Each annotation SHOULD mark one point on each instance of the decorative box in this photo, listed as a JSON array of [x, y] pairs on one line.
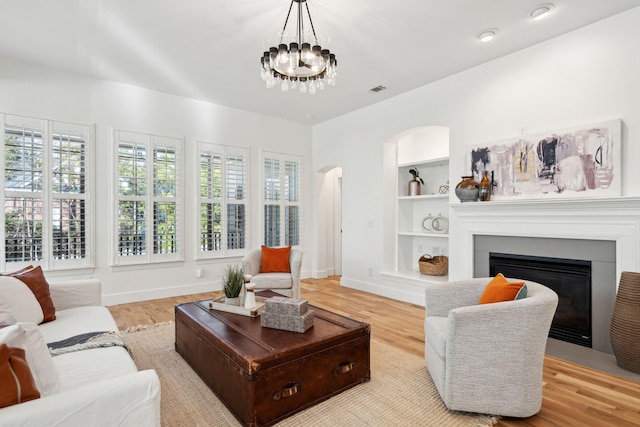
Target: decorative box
[[285, 322], [287, 306]]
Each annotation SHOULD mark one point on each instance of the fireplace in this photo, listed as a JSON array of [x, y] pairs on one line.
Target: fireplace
[[600, 254], [569, 278], [604, 231]]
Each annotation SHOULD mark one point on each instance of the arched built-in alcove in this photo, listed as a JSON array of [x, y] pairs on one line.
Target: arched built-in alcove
[[427, 149]]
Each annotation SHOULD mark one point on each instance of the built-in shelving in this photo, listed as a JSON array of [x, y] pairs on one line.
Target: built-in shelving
[[412, 240]]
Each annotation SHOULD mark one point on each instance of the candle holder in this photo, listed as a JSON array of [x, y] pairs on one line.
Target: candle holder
[[250, 295]]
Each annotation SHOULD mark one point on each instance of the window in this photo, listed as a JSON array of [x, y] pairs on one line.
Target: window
[[223, 200], [282, 201], [148, 194], [47, 181]]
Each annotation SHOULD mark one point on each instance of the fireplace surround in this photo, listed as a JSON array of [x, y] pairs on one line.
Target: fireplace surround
[[608, 229]]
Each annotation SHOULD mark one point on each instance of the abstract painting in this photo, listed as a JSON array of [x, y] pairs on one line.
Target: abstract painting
[[584, 161]]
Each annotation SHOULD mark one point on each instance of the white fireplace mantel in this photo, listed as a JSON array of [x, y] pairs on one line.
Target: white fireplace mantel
[[613, 219]]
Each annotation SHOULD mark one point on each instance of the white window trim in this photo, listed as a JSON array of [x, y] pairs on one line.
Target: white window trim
[[282, 203], [48, 263], [223, 150], [148, 257]]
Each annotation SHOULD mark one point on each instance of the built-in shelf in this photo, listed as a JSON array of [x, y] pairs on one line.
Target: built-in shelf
[[415, 276], [440, 161], [424, 197], [420, 234]]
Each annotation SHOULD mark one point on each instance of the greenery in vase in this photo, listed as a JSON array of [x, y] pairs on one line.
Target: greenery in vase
[[416, 175], [233, 281]]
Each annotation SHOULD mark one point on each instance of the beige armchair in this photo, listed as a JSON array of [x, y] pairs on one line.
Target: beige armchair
[[287, 284], [487, 358]]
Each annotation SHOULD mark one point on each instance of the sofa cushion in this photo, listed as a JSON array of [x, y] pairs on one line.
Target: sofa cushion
[[275, 260], [85, 367], [34, 278], [26, 335], [15, 376], [500, 289], [76, 321], [18, 299]]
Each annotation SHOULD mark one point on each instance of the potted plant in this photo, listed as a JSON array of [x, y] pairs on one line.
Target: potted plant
[[414, 184], [232, 284]]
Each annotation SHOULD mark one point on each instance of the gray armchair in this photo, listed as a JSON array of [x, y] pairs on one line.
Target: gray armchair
[[487, 358], [287, 284]]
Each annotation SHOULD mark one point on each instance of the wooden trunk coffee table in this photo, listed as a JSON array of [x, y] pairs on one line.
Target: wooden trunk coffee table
[[264, 375]]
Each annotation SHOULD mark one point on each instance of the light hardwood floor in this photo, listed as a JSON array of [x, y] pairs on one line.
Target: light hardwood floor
[[573, 395]]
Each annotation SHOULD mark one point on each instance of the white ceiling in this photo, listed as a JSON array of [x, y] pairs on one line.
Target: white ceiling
[[210, 49]]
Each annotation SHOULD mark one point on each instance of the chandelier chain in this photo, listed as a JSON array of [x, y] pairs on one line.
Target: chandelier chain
[[315, 37], [284, 27]]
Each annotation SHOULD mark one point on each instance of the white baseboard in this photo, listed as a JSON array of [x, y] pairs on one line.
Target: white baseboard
[[386, 290], [319, 274], [135, 296]]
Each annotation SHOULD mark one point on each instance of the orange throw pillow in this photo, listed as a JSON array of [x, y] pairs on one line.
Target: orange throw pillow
[[15, 376], [34, 278], [275, 260], [499, 289]]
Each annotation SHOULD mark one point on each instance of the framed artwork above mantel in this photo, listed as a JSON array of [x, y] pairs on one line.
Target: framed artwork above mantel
[[582, 161]]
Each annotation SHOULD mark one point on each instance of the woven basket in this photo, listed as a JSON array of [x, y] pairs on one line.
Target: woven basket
[[434, 266]]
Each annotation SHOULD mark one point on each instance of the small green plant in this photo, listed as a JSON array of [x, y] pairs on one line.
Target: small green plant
[[416, 175], [233, 281]]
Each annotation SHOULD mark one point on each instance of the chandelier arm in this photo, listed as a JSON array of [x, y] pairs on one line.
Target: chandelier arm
[[311, 22], [286, 21]]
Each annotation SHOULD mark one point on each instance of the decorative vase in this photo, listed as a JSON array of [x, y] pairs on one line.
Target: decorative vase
[[467, 190], [484, 191], [250, 296], [414, 187], [625, 323]]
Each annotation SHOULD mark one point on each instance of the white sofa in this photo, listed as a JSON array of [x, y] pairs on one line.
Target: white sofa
[[98, 386]]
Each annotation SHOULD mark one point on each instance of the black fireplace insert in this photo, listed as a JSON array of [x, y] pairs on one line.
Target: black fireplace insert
[[570, 279]]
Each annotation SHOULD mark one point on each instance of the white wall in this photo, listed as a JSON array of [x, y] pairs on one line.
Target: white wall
[[53, 94], [586, 76]]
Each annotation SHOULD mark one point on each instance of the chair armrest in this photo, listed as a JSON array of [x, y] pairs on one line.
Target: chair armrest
[[129, 400], [295, 261], [76, 293], [251, 262], [441, 298]]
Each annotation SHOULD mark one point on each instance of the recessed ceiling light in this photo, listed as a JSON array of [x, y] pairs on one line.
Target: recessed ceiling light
[[542, 11], [487, 35]]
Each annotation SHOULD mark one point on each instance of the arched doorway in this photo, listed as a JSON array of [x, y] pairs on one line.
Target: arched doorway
[[329, 216]]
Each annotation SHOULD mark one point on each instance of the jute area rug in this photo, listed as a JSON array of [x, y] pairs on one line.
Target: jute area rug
[[400, 391]]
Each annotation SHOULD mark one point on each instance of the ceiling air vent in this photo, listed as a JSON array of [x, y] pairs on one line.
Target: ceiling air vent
[[377, 89]]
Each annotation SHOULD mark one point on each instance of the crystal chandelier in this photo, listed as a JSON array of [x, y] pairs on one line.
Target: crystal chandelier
[[299, 64]]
